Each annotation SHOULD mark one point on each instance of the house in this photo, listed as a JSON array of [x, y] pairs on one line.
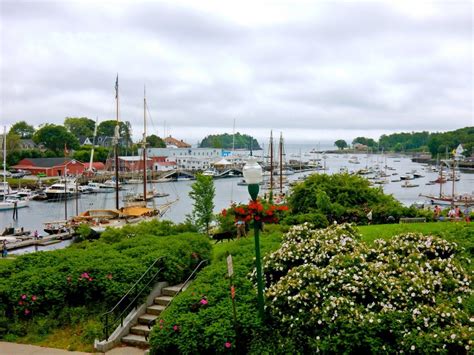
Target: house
[[51, 166], [27, 144], [96, 166], [164, 166], [107, 142], [83, 140], [174, 143]]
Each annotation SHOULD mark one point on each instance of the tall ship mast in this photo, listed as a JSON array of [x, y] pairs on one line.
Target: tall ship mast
[[116, 143]]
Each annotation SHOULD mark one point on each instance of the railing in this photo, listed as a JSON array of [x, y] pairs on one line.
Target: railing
[[132, 295], [152, 322]]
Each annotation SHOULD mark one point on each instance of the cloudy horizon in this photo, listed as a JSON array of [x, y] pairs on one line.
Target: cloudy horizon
[[316, 71]]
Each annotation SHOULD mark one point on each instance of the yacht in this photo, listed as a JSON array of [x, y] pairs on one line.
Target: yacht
[[13, 202], [60, 191]]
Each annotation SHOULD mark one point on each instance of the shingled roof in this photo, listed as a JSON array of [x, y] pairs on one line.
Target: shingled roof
[[48, 162], [177, 143]]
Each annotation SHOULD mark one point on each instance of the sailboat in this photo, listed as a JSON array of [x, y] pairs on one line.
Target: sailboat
[[99, 219], [9, 202], [453, 199], [280, 172]]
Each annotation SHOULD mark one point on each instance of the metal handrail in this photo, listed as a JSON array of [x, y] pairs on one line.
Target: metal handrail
[[152, 322], [122, 315]]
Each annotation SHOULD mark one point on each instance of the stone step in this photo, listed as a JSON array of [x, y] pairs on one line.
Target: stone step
[[135, 340], [146, 318], [140, 329], [163, 300], [155, 309], [172, 290]]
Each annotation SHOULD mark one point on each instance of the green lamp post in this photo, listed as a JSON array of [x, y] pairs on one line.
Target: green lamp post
[[253, 176]]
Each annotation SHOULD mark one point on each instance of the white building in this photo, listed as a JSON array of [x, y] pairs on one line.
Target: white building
[[182, 152]]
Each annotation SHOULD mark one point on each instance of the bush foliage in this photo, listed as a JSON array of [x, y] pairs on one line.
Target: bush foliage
[[200, 320], [344, 198], [95, 274]]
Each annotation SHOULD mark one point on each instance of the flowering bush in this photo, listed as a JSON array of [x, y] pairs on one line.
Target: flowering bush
[[256, 210], [335, 294]]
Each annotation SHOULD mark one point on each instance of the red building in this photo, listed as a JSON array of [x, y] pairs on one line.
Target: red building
[[129, 163], [51, 166]]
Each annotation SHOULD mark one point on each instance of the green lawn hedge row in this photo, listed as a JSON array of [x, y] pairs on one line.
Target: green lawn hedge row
[[95, 275]]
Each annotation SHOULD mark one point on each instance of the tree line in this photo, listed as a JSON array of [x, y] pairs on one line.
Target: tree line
[[436, 143], [61, 140]]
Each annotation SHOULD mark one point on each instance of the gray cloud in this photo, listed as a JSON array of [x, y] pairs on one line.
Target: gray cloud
[[313, 68]]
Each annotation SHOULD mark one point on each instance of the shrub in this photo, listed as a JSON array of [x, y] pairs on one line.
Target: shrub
[[92, 276], [200, 319], [345, 198], [334, 294]]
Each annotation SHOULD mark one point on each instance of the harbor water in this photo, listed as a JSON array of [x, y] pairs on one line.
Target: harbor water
[[227, 191]]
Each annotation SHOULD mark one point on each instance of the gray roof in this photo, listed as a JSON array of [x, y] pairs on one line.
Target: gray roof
[[48, 162]]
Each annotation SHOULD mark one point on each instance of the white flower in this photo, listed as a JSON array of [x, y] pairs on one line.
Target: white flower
[[412, 348]]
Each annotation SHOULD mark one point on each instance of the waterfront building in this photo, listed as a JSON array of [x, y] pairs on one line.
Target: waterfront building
[[51, 166], [130, 163]]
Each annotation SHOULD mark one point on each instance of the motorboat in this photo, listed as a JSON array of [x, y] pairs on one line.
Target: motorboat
[[13, 202], [60, 191]]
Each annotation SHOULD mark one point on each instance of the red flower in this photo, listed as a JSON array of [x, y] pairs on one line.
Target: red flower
[[228, 344], [20, 303], [175, 328], [27, 311], [23, 297], [33, 298], [224, 212]]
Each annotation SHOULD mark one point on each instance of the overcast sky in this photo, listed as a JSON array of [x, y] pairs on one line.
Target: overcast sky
[[315, 70]]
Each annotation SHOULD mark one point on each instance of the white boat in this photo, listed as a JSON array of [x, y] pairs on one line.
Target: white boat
[[210, 172], [60, 191], [5, 189], [98, 187], [11, 203], [408, 184]]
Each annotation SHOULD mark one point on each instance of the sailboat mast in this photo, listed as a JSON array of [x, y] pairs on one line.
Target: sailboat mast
[[281, 163], [441, 181], [117, 127], [93, 144], [4, 161], [144, 144], [271, 163], [454, 178]]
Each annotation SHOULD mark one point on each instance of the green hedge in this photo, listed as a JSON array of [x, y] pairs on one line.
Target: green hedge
[[95, 274], [189, 326]]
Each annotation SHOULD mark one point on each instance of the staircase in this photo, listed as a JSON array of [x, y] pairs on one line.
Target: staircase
[[139, 333]]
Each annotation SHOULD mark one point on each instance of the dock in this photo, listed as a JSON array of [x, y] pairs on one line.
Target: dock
[[43, 241]]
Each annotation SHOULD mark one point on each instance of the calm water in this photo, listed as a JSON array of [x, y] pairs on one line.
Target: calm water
[[227, 190]]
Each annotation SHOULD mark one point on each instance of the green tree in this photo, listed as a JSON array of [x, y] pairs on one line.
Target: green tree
[[55, 138], [369, 142], [202, 193], [340, 144], [80, 126], [155, 142], [22, 129]]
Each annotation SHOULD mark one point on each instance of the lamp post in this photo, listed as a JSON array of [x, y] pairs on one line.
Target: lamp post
[[253, 176]]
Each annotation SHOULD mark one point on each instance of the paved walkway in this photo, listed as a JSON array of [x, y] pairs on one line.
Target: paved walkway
[[24, 349]]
